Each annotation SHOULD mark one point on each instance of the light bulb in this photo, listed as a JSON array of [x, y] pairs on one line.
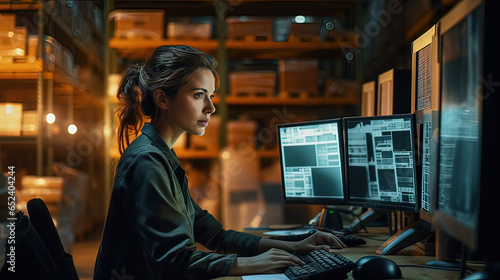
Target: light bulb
[[300, 19], [50, 118], [72, 129]]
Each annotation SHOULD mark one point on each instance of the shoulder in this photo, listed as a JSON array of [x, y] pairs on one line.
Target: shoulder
[[141, 156]]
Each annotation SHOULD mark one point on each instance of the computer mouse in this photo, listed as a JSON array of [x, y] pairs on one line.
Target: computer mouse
[[376, 267]]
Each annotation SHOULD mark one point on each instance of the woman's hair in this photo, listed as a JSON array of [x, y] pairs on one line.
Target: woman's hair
[[168, 69]]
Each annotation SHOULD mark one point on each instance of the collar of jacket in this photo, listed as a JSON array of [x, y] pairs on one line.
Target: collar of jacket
[[149, 131]]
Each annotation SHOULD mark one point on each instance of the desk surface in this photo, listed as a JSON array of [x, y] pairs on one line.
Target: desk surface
[[376, 237]]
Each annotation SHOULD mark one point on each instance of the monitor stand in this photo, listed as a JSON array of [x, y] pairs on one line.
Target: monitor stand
[[406, 237], [367, 217], [445, 251], [330, 218], [491, 272]]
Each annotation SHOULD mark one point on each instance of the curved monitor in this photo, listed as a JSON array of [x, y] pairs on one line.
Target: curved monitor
[[312, 163], [381, 162]]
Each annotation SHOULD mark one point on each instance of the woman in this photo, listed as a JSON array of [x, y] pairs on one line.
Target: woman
[[153, 224]]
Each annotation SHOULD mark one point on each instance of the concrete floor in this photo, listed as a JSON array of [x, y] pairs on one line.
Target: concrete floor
[[84, 254]]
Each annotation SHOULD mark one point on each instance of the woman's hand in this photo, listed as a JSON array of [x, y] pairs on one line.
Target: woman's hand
[[319, 240], [271, 261]]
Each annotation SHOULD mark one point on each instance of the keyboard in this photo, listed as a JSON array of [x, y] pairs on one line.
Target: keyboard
[[320, 265], [349, 240]]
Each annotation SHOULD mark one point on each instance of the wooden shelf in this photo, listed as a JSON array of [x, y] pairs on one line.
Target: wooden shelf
[[141, 49], [283, 50], [268, 153], [63, 84], [21, 71], [135, 49], [276, 101], [17, 140], [13, 5]]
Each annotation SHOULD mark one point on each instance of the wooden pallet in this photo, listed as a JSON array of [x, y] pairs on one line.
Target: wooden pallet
[[252, 38], [254, 92], [304, 39], [298, 94]]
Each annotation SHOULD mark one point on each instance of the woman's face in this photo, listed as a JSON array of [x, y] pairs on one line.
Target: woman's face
[[190, 109]]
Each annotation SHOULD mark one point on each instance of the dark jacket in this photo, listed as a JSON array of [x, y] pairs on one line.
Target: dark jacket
[[153, 224]]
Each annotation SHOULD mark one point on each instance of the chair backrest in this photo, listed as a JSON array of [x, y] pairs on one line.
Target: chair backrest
[[39, 253]]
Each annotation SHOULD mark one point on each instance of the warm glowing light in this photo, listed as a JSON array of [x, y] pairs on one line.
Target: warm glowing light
[[226, 155], [9, 109], [19, 51], [40, 182], [50, 118], [300, 19], [72, 129]]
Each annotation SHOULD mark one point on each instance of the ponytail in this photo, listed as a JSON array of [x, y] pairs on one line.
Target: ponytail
[[129, 113]]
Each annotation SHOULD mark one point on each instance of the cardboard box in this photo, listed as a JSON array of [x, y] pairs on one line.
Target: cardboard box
[[11, 116], [30, 123], [341, 88], [241, 133], [7, 22], [48, 188], [254, 29], [13, 42], [181, 30], [298, 77], [252, 83], [143, 24], [305, 32]]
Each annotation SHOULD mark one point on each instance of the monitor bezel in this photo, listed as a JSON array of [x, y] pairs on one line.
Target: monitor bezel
[[313, 200], [396, 206]]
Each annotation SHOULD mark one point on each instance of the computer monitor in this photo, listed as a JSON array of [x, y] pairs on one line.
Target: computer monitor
[[393, 96], [469, 152], [368, 99], [381, 170], [425, 106], [312, 162], [381, 162]]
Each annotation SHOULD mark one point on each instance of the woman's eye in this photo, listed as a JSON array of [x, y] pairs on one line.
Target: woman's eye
[[198, 95], [212, 96]]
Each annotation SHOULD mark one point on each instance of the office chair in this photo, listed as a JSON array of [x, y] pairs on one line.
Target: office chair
[[39, 253]]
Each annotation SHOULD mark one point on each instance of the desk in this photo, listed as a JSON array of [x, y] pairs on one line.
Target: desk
[[376, 237]]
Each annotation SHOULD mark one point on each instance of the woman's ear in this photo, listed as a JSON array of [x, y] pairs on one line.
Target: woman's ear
[[160, 99]]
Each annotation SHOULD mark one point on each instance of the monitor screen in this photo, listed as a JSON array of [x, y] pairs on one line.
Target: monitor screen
[[381, 163], [426, 166], [460, 127], [368, 99], [425, 94], [385, 99], [424, 78], [312, 164]]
